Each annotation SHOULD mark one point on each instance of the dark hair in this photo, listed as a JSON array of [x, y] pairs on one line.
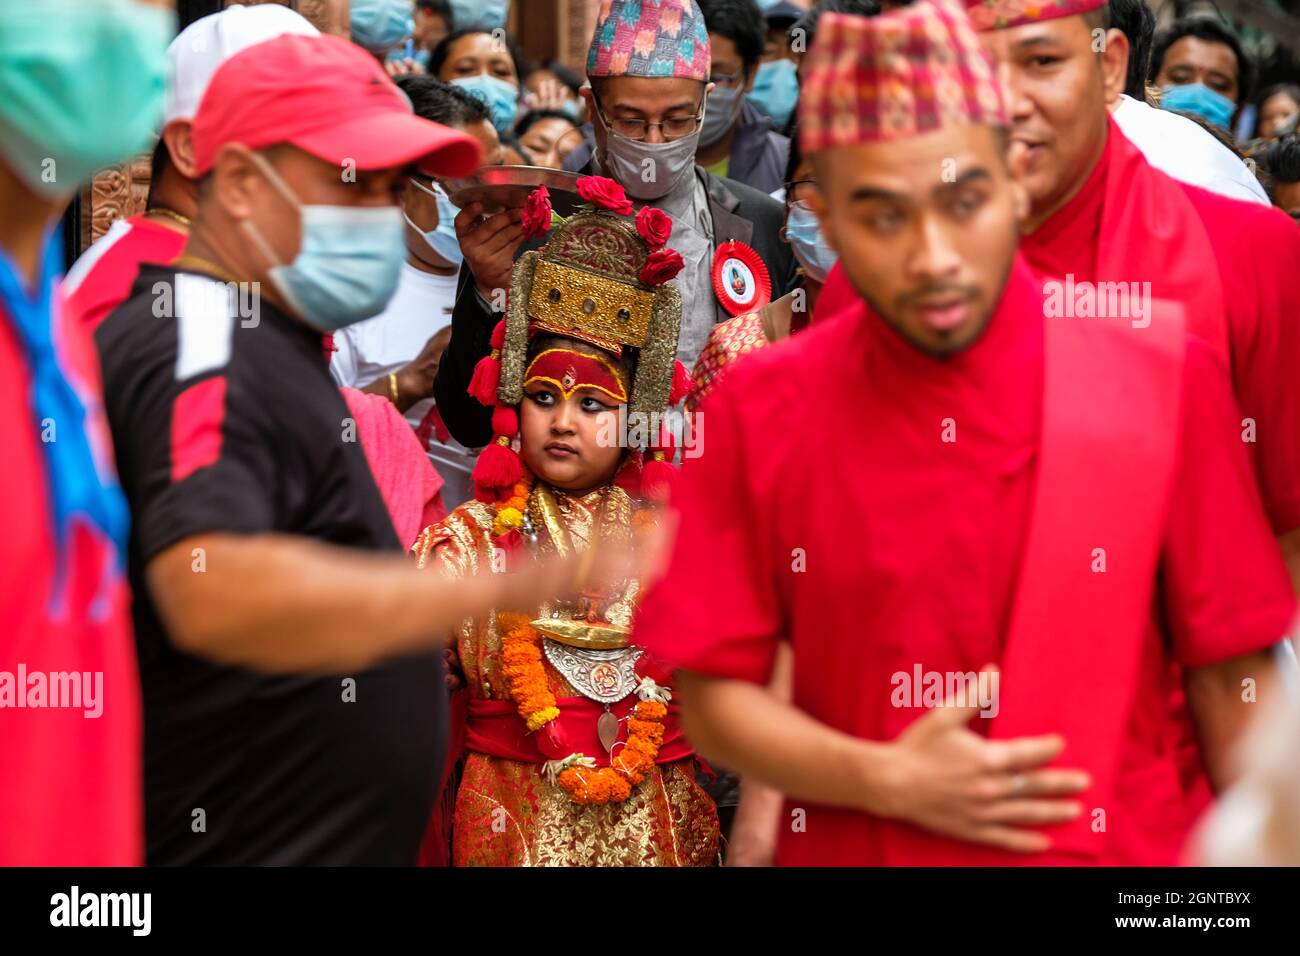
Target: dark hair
[[561, 72], [440, 52], [1212, 31], [1282, 162], [442, 102], [1134, 19], [808, 22], [533, 117], [741, 22], [160, 160], [441, 7], [796, 155], [1218, 132]]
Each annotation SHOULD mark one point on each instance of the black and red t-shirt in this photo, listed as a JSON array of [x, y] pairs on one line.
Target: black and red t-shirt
[[223, 423]]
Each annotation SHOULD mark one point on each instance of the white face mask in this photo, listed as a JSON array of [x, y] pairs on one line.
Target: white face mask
[[648, 170]]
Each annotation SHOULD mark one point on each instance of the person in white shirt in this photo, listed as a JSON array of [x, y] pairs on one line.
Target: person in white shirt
[[1178, 147], [396, 353], [1173, 144]]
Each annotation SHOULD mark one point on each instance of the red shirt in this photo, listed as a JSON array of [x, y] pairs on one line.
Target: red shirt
[[100, 280], [854, 531], [71, 793], [1257, 258]]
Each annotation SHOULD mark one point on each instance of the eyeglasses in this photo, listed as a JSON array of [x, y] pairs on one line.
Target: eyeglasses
[[727, 79], [675, 127], [798, 190]]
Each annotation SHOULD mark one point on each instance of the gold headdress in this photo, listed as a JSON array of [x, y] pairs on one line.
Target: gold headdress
[[603, 279]]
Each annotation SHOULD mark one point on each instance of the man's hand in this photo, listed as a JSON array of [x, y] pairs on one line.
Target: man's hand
[[550, 95], [489, 244], [415, 378], [455, 676], [952, 781], [403, 67]]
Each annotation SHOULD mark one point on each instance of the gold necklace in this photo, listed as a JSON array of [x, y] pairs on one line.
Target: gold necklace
[[197, 264], [583, 633], [170, 214]]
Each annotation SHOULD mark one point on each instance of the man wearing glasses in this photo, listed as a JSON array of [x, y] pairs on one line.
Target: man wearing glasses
[[648, 103], [737, 140]]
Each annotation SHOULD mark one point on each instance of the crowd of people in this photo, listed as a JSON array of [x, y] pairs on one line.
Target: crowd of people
[[363, 508]]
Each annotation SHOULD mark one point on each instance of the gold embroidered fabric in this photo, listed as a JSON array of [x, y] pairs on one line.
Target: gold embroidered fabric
[[727, 342], [507, 813]]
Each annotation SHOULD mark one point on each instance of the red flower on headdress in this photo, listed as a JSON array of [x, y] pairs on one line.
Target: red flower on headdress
[[661, 266], [606, 193], [654, 225], [537, 213]]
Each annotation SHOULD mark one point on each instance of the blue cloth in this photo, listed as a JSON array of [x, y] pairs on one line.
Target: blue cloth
[[77, 487]]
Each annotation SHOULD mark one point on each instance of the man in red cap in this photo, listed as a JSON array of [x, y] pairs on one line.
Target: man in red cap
[[99, 281], [256, 546], [1101, 214], [1067, 500]]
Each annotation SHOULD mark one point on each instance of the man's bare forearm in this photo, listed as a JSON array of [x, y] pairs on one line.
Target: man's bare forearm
[[748, 728], [287, 604], [1223, 699], [758, 814]]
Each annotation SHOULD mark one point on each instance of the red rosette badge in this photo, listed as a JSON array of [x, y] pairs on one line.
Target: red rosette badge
[[740, 279]]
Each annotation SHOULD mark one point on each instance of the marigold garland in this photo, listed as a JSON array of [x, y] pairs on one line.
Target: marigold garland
[[525, 674], [521, 662], [509, 515], [613, 784]]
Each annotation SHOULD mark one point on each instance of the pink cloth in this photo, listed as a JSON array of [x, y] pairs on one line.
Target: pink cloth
[[412, 489]]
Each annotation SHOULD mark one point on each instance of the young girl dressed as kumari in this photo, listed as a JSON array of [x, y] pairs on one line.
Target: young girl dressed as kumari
[[573, 752]]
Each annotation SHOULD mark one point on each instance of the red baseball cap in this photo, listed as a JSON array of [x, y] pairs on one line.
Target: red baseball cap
[[329, 98]]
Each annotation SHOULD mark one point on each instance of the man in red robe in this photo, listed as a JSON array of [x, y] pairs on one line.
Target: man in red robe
[[1067, 500], [1100, 213]]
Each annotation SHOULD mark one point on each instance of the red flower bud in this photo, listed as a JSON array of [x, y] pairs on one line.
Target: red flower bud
[[661, 266], [654, 225], [605, 193]]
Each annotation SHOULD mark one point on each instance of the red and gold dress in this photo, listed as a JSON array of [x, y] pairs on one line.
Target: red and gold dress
[[508, 811], [727, 342]]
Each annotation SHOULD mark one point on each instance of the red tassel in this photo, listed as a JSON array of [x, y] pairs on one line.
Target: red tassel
[[499, 336], [658, 480], [505, 421], [485, 380], [681, 386], [498, 466], [629, 474]]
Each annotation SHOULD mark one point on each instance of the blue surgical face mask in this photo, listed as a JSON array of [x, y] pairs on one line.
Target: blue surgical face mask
[[804, 234], [379, 25], [486, 14], [443, 240], [348, 263], [720, 113], [76, 99], [1199, 99], [500, 97], [776, 91]]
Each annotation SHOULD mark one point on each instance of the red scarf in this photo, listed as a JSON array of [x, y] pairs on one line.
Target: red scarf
[[1109, 438], [1149, 232]]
